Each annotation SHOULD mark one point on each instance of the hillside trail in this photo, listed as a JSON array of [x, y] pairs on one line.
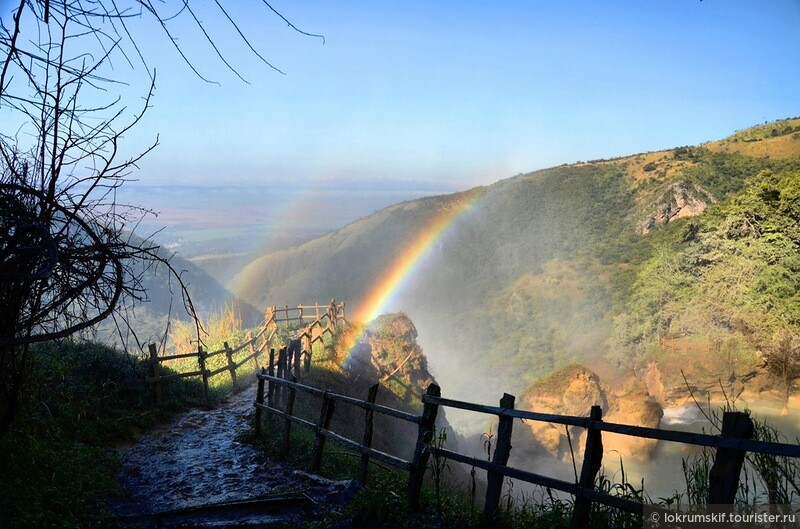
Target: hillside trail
[[195, 472]]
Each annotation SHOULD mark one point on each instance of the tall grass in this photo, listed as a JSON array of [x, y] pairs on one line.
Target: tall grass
[[56, 465], [766, 479], [217, 329]]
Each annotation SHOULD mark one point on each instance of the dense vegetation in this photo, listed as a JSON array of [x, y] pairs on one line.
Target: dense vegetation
[[731, 273], [581, 261]]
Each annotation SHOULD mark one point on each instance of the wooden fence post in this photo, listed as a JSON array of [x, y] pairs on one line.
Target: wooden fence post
[[259, 400], [723, 478], [294, 351], [269, 318], [287, 432], [231, 364], [307, 348], [592, 459], [494, 481], [298, 349], [325, 415], [153, 367], [252, 349], [367, 441], [422, 451], [281, 373], [201, 360], [287, 368], [271, 372]]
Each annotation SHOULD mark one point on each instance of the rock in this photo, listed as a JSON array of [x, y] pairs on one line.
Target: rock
[[677, 200], [630, 403], [388, 352], [651, 377], [573, 390]]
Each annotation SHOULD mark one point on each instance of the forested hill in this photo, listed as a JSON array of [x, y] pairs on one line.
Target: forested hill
[[579, 262]]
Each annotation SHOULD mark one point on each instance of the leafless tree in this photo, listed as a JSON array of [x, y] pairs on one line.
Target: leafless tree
[[68, 254]]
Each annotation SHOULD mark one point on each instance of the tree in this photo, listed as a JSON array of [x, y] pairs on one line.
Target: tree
[[782, 360], [68, 255]]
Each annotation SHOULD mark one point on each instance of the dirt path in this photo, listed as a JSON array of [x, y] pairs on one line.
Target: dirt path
[[197, 460]]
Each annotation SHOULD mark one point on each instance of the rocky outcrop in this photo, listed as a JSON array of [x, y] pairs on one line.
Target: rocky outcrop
[[714, 380], [573, 390], [388, 352], [652, 379], [676, 201]]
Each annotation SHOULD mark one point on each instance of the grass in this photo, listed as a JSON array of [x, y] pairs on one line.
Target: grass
[[57, 465], [445, 503], [451, 498]]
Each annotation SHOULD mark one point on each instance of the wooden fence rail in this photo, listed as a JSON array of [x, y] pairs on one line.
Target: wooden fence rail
[[334, 312], [270, 403], [325, 319], [731, 445]]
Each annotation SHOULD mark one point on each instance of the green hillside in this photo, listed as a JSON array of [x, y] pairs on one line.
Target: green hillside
[[163, 301], [579, 262]]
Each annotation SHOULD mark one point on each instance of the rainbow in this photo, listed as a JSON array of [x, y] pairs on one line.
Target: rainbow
[[396, 275]]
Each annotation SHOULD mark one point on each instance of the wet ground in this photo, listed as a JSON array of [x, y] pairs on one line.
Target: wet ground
[[195, 472]]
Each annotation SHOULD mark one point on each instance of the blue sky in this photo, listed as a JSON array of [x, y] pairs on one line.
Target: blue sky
[[447, 95], [466, 93]]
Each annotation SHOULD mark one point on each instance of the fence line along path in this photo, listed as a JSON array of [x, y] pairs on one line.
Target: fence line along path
[[323, 320], [731, 445]]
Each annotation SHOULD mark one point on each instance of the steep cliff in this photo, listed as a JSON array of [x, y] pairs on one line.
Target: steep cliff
[[573, 390]]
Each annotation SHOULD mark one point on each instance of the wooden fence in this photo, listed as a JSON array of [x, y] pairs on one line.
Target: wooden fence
[[325, 319], [334, 312], [731, 445]]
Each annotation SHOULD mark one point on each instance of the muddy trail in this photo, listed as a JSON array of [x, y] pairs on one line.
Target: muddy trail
[[195, 472]]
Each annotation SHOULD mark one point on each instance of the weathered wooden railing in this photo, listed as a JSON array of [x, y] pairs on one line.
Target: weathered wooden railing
[[731, 445], [334, 312], [156, 379], [322, 427], [325, 318]]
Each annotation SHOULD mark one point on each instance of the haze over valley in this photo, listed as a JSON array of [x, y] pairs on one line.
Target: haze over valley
[[609, 280]]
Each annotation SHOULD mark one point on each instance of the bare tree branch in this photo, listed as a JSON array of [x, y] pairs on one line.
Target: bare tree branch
[[68, 255]]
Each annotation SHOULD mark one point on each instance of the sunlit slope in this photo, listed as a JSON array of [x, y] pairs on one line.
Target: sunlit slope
[[541, 268]]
